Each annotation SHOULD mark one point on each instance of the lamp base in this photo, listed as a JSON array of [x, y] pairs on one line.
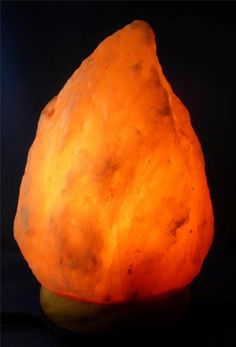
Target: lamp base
[[84, 317]]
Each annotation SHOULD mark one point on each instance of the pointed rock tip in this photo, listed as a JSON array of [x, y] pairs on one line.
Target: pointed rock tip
[[141, 29], [140, 24]]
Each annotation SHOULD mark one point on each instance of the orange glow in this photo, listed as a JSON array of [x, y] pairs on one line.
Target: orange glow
[[114, 203]]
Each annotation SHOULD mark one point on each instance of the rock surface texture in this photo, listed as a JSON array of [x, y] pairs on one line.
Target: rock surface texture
[[114, 203]]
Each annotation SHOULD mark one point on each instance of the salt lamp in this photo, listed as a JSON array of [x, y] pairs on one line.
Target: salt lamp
[[114, 203]]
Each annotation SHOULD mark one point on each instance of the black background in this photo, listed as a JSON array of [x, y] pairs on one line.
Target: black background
[[42, 44]]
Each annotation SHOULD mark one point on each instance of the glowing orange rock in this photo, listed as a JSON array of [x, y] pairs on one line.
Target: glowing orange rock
[[114, 202]]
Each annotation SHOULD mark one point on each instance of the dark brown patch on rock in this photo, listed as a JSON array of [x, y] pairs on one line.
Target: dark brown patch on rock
[[130, 270], [82, 252], [176, 224], [50, 108], [108, 168], [137, 67]]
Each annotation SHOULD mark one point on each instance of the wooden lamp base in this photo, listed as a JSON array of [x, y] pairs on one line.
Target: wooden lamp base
[[84, 317]]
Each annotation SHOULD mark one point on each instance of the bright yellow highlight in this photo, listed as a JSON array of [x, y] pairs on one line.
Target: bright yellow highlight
[[114, 203]]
